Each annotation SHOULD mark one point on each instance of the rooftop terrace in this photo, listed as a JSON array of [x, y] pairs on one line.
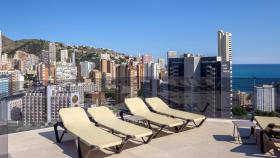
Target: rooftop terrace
[[213, 139]]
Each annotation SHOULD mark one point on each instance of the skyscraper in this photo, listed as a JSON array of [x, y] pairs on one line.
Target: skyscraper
[[45, 56], [43, 73], [196, 82], [224, 45], [52, 51], [64, 55], [225, 52]]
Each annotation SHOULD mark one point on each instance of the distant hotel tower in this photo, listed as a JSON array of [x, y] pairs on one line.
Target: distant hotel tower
[[224, 45], [225, 52]]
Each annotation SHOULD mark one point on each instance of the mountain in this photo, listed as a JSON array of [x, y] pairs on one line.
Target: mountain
[[32, 46], [35, 46]]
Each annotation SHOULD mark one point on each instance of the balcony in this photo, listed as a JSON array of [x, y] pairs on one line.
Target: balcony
[[213, 139]]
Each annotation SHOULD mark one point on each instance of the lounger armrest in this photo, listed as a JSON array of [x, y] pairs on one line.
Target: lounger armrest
[[122, 112]]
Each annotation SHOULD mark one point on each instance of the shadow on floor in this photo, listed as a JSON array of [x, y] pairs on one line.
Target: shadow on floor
[[248, 150], [224, 138], [68, 145]]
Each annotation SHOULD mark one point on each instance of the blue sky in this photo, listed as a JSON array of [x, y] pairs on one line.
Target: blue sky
[[150, 26]]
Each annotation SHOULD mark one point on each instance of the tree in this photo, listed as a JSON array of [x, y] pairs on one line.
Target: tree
[[239, 111]]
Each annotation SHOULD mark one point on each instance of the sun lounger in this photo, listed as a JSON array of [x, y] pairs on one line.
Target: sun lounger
[[137, 107], [158, 106], [76, 122], [263, 122], [104, 116]]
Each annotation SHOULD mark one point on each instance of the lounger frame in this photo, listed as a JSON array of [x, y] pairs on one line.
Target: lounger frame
[[187, 120], [128, 137], [118, 148], [148, 123]]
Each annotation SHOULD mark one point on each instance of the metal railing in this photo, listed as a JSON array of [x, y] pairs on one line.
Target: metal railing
[[35, 104]]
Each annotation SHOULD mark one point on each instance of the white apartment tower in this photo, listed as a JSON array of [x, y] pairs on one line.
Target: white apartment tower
[[224, 45], [64, 55], [265, 98]]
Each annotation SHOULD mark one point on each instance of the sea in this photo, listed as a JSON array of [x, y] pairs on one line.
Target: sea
[[246, 76]]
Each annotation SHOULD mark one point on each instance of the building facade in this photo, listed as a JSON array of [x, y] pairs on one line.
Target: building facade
[[64, 55], [265, 98], [65, 72], [34, 109], [86, 67]]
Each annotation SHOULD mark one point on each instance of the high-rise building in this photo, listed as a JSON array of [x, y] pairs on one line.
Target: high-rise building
[[105, 65], [52, 53], [175, 67], [126, 81], [52, 73], [147, 59], [140, 74], [151, 71], [64, 55], [43, 73], [265, 98], [16, 80], [243, 99], [73, 60], [277, 87], [86, 67], [113, 70], [195, 81], [45, 56], [96, 77], [4, 85], [225, 52], [224, 45], [34, 108]]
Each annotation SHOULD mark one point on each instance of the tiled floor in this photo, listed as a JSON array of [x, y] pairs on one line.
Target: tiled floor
[[213, 139]]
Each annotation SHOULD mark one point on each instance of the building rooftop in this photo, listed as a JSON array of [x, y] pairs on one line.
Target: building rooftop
[[213, 139]]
